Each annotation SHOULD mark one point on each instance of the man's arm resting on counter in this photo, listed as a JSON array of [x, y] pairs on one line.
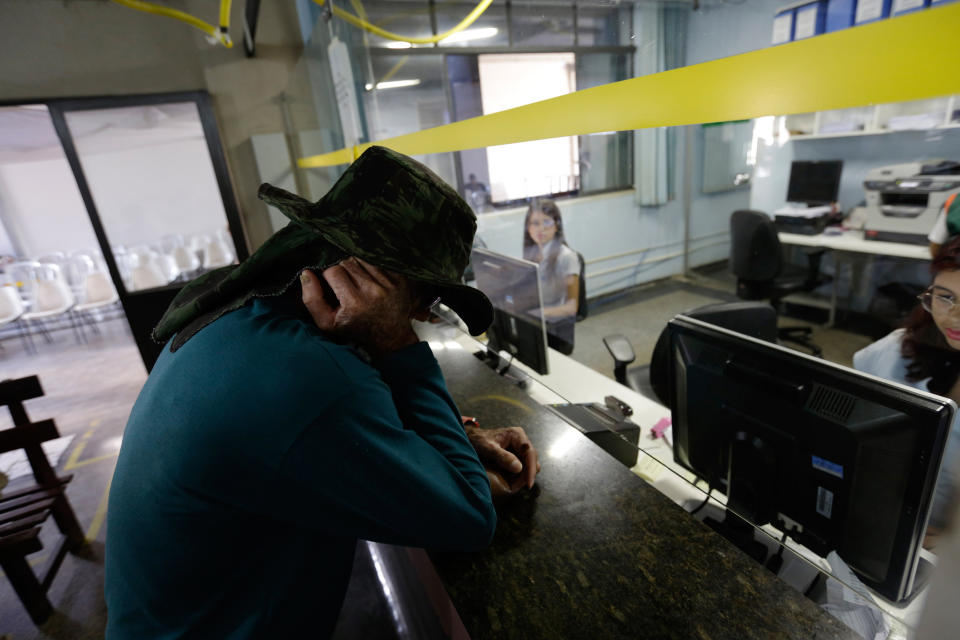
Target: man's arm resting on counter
[[392, 463]]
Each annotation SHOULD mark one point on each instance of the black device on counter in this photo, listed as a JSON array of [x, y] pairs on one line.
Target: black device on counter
[[802, 225], [838, 459], [608, 425]]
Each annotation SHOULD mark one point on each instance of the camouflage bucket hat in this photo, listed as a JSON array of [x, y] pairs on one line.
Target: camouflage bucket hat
[[386, 209]]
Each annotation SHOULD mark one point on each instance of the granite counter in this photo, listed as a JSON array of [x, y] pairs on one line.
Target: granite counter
[[594, 551]]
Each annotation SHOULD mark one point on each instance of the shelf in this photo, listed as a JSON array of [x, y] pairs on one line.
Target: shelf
[[850, 134], [875, 118]]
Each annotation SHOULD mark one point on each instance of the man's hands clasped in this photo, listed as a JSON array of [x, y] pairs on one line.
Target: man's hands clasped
[[509, 457]]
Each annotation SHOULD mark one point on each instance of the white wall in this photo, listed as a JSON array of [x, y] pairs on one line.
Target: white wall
[[273, 163], [42, 208], [144, 194], [140, 196], [53, 48]]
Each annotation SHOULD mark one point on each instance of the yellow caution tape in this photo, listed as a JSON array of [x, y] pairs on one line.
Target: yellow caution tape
[[905, 58]]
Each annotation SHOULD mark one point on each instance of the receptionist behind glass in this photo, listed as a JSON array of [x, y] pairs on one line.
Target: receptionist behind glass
[[543, 242]]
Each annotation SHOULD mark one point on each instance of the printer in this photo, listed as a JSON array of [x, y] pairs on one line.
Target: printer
[[903, 200]]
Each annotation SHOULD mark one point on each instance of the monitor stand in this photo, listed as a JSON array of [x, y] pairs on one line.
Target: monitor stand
[[752, 462], [740, 533]]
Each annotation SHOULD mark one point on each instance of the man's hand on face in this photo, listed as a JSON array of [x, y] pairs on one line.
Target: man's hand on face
[[373, 308], [508, 455]]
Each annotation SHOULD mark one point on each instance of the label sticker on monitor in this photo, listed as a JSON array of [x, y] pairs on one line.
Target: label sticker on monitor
[[824, 502], [826, 466]]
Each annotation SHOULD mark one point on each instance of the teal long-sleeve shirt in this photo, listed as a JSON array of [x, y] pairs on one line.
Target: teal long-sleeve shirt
[[256, 456]]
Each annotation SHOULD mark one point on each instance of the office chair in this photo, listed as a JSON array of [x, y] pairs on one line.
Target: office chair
[[756, 319], [582, 293], [756, 259]]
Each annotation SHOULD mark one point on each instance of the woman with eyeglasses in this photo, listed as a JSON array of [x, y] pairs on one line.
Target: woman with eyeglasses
[[925, 354], [543, 242]]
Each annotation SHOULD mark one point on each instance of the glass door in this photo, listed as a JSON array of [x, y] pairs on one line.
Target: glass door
[[153, 177]]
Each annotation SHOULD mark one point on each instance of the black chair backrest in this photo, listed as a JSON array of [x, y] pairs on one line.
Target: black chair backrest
[[582, 289], [755, 252], [755, 319]]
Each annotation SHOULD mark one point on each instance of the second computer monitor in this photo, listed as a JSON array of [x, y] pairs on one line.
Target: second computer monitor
[[838, 459], [814, 182], [513, 287]]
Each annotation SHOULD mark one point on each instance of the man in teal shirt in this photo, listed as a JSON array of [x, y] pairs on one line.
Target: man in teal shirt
[[282, 423]]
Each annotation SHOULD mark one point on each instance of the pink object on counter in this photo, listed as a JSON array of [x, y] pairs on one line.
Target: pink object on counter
[[662, 425]]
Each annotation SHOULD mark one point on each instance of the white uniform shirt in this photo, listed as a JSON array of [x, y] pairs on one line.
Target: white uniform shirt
[[553, 280], [884, 360]]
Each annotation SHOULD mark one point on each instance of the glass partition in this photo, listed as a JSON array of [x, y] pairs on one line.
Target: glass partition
[[650, 213], [153, 182]]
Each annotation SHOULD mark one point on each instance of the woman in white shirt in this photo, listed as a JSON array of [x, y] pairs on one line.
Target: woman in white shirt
[[925, 354], [544, 243]]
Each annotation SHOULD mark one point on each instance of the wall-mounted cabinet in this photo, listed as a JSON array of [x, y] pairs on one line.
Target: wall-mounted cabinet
[[873, 120]]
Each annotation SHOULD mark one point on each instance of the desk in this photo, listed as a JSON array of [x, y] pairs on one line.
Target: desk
[[850, 241], [570, 381], [595, 552]]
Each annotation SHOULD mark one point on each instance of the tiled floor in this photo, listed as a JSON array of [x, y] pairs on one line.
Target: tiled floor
[[89, 390], [642, 313], [91, 387]]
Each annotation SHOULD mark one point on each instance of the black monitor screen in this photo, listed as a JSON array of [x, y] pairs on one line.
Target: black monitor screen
[[814, 182], [839, 459], [513, 287]]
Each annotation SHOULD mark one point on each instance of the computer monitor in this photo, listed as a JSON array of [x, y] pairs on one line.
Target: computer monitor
[[513, 287], [838, 459], [814, 181]]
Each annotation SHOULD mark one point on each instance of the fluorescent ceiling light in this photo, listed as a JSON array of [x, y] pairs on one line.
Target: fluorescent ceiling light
[[393, 84], [471, 34], [398, 45]]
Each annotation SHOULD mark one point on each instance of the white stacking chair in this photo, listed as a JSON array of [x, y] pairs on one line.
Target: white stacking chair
[[186, 260], [98, 293], [79, 264], [23, 276], [148, 271], [217, 254], [168, 266], [55, 257], [11, 306], [197, 245], [172, 245], [124, 261], [51, 297], [11, 311]]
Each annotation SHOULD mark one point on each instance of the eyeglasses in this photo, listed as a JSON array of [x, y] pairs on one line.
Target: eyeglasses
[[546, 223], [939, 303]]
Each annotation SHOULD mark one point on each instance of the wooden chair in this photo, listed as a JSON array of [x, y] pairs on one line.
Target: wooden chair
[[23, 511]]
